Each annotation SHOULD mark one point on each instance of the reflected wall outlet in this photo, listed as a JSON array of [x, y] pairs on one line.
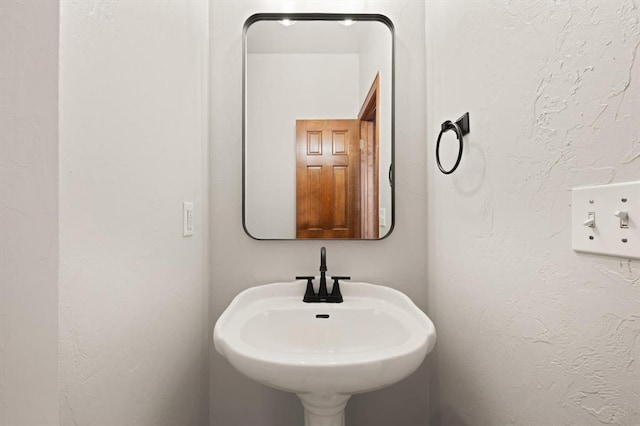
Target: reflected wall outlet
[[187, 219], [606, 219], [382, 217]]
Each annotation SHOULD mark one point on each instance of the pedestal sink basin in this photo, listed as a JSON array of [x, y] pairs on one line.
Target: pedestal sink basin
[[324, 352]]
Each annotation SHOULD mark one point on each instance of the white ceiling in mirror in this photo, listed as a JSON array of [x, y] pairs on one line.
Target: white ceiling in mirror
[[315, 37], [318, 81]]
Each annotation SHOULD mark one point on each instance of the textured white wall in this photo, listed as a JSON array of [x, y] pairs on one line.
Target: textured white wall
[[274, 102], [28, 212], [133, 146], [530, 332], [239, 262]]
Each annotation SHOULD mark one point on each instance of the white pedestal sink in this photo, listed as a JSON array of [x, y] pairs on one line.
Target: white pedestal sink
[[324, 352]]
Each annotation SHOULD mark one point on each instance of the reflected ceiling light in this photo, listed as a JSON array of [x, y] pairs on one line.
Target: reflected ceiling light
[[287, 22], [348, 22]]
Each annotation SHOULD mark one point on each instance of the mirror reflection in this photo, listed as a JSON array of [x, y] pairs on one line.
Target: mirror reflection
[[318, 127]]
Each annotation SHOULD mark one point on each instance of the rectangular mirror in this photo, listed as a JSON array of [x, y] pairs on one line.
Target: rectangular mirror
[[318, 126]]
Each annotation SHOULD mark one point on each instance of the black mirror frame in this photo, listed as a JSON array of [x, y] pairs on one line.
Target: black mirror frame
[[318, 17]]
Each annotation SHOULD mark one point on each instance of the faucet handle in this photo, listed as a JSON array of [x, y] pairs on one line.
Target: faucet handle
[[335, 291], [308, 293]]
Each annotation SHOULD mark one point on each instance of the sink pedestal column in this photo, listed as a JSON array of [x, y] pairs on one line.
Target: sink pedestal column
[[324, 410]]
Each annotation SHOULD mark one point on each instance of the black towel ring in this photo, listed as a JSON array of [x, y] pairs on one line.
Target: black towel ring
[[461, 128]]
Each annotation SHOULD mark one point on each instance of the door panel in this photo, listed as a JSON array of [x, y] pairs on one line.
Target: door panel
[[314, 204], [340, 204], [327, 178]]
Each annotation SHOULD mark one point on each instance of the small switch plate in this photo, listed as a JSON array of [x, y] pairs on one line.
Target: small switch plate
[[187, 219], [607, 236], [382, 217]]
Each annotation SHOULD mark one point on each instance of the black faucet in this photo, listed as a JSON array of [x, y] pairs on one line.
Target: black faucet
[[322, 291], [323, 295]]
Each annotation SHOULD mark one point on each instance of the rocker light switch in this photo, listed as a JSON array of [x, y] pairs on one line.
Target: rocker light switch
[[606, 219]]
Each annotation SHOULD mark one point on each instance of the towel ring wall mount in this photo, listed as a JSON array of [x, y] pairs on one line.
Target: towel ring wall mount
[[461, 128]]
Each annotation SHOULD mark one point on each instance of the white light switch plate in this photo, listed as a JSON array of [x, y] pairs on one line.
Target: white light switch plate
[[607, 236], [382, 217], [187, 219]]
